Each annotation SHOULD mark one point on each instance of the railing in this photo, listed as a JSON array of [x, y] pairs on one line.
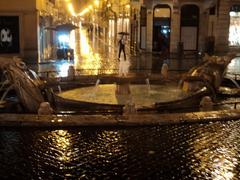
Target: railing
[[79, 72], [235, 103]]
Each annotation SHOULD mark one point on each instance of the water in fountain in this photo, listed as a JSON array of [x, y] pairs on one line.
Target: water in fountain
[[148, 85], [97, 82], [123, 67], [106, 94], [96, 87], [59, 89]]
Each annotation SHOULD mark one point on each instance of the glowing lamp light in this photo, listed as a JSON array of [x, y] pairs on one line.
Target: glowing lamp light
[[71, 9], [63, 38], [165, 31], [232, 13], [96, 3]]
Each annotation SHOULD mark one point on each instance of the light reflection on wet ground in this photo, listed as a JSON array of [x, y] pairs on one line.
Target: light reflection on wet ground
[[95, 55], [192, 151]]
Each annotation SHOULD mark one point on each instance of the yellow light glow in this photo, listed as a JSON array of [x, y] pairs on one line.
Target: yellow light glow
[[61, 141], [96, 3], [86, 10], [90, 7], [71, 9], [128, 6], [220, 161], [91, 60]]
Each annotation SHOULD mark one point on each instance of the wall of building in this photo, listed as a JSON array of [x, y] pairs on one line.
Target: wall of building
[[222, 27], [219, 21], [28, 24]]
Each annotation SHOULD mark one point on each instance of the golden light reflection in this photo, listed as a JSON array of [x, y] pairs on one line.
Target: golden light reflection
[[86, 10], [111, 142], [223, 168], [91, 62], [71, 9], [96, 3], [61, 141], [219, 162]]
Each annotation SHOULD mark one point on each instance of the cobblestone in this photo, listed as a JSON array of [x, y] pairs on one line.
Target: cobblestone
[[187, 151]]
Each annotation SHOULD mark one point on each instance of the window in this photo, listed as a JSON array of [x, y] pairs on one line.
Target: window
[[234, 27]]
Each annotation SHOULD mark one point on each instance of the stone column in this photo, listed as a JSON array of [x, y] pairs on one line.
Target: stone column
[[149, 29], [203, 29], [222, 27], [30, 35], [175, 30]]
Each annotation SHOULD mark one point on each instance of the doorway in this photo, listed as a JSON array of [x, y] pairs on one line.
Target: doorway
[[161, 28]]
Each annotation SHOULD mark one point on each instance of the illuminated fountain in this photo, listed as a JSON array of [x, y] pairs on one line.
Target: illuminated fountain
[[202, 80]]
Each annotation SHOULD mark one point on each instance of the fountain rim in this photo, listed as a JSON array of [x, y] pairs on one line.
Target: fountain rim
[[59, 120]]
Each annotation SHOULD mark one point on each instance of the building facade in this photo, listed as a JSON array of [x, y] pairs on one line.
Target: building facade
[[22, 27], [201, 25], [153, 25]]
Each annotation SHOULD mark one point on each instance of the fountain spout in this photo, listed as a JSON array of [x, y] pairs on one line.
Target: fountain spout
[[97, 82], [148, 84], [124, 68]]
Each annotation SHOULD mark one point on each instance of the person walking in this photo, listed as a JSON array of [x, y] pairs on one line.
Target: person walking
[[121, 48]]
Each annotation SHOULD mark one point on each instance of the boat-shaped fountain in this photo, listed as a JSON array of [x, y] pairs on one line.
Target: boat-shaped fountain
[[31, 91]]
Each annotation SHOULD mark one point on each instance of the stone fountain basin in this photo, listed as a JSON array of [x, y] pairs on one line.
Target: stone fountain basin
[[142, 95]]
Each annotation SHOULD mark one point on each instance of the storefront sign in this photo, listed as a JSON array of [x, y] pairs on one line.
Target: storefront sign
[[9, 34]]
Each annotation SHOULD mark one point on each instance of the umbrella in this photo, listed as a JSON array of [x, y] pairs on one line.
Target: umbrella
[[66, 27], [123, 33], [62, 27]]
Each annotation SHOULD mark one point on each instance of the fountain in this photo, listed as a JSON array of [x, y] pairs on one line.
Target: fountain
[[45, 109], [97, 83], [164, 70], [206, 103], [148, 85], [124, 67], [202, 80]]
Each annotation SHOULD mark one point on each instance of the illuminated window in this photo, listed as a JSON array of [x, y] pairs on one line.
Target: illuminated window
[[234, 27]]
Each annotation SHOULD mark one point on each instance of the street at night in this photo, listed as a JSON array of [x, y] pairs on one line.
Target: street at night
[[120, 89]]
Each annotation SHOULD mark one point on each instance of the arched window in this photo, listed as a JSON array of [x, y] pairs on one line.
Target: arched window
[[234, 27]]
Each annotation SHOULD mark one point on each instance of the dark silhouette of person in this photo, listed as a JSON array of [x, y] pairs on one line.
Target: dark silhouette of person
[[121, 48], [164, 47]]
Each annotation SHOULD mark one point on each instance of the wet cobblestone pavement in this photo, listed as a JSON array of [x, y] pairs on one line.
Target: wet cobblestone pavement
[[190, 151]]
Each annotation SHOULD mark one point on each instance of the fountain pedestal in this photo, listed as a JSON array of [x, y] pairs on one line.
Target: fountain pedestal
[[123, 86], [123, 92]]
